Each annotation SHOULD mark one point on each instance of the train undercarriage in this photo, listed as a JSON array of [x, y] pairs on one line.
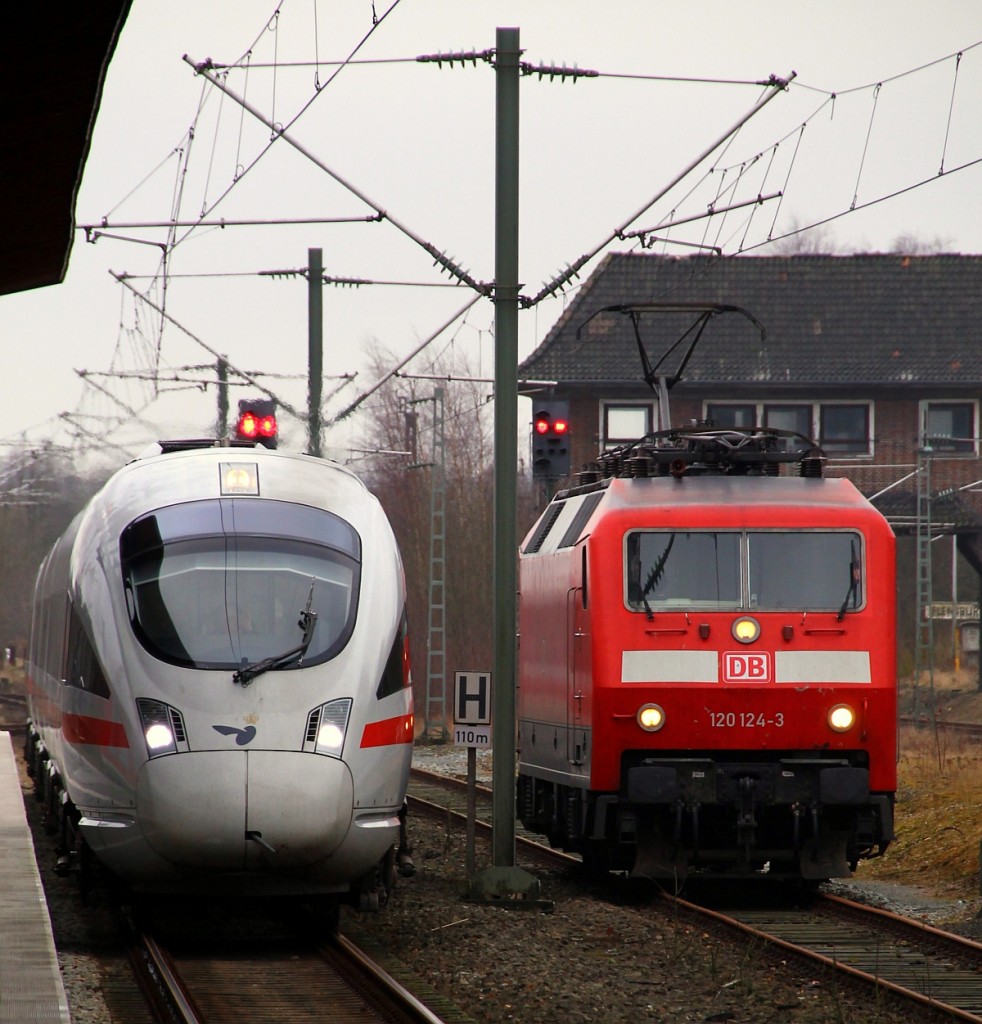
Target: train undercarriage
[[795, 817]]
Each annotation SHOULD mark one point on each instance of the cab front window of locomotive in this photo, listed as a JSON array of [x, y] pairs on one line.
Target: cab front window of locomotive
[[807, 570], [667, 569], [228, 600]]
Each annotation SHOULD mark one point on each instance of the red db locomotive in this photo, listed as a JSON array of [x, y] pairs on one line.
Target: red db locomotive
[[707, 667]]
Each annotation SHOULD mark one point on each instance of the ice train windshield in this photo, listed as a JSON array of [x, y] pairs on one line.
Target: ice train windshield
[[219, 584]]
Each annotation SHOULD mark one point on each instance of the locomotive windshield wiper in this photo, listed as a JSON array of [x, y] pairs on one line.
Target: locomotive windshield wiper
[[654, 577], [854, 575], [306, 622]]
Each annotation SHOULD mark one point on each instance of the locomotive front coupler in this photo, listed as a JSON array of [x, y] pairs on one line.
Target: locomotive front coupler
[[746, 822]]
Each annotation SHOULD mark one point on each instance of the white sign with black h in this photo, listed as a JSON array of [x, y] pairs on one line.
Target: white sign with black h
[[472, 709]]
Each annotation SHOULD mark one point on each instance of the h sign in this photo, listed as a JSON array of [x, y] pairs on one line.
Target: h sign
[[472, 698]]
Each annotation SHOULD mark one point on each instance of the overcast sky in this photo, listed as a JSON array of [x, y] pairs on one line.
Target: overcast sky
[[417, 140]]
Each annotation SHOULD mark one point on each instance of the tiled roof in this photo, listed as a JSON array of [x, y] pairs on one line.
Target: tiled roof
[[950, 513], [870, 320]]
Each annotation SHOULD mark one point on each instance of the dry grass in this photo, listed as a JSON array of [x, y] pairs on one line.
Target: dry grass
[[939, 800]]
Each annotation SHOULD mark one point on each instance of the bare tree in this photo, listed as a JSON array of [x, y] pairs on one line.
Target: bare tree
[[401, 419], [40, 495], [907, 244], [802, 240]]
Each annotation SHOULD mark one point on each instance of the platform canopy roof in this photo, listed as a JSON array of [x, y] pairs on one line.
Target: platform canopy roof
[[51, 78]]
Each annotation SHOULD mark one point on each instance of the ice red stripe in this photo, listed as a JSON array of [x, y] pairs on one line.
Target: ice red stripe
[[388, 731], [99, 732]]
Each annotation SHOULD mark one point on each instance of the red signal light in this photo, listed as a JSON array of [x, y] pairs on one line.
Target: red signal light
[[550, 439], [257, 421], [252, 426], [248, 427]]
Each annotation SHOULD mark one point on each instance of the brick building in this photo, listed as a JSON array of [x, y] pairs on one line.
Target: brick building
[[878, 358]]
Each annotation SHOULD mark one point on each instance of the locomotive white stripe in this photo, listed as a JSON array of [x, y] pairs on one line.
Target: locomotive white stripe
[[702, 667], [669, 667], [822, 667]]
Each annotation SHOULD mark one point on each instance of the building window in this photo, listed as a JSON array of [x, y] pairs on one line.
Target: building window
[[625, 423], [732, 416], [796, 418], [844, 429], [949, 426]]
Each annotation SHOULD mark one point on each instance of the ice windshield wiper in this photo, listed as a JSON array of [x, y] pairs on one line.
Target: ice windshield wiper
[[306, 622]]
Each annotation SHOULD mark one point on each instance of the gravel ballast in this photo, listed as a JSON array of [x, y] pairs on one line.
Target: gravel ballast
[[587, 955]]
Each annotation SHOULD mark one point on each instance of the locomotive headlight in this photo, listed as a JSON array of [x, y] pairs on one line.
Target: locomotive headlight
[[842, 718], [651, 717], [327, 725], [746, 629]]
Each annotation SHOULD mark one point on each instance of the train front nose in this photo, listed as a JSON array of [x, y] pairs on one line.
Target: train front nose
[[239, 810]]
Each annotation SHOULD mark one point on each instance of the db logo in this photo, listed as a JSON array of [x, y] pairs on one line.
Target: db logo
[[739, 667]]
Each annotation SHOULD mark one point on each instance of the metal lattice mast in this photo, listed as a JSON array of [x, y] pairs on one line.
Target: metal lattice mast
[[436, 657], [924, 641]]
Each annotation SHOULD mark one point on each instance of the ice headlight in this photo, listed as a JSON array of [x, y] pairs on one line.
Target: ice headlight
[[651, 717], [159, 738], [746, 629], [842, 718], [163, 727], [327, 726]]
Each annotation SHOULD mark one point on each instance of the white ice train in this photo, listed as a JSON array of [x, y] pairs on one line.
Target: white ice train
[[219, 686]]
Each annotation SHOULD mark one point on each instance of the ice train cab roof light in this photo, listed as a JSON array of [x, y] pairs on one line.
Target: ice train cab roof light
[[239, 478]]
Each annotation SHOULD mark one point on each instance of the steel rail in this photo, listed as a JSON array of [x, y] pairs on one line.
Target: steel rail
[[159, 982], [932, 980]]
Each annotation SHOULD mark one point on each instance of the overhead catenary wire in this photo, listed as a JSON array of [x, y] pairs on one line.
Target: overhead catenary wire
[[208, 348], [745, 246], [350, 408], [571, 271], [240, 174], [951, 108], [439, 258]]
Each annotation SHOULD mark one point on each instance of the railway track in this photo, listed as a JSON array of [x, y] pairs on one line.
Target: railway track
[[913, 960], [968, 730], [446, 792], [287, 979], [446, 796]]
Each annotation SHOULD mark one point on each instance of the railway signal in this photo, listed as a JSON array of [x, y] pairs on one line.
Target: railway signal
[[550, 440], [257, 421]]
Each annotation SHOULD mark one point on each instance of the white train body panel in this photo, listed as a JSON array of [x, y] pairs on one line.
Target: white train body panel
[[241, 797]]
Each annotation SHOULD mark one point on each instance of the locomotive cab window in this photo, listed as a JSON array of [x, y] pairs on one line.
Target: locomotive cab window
[[683, 569], [222, 584], [809, 570], [757, 570]]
